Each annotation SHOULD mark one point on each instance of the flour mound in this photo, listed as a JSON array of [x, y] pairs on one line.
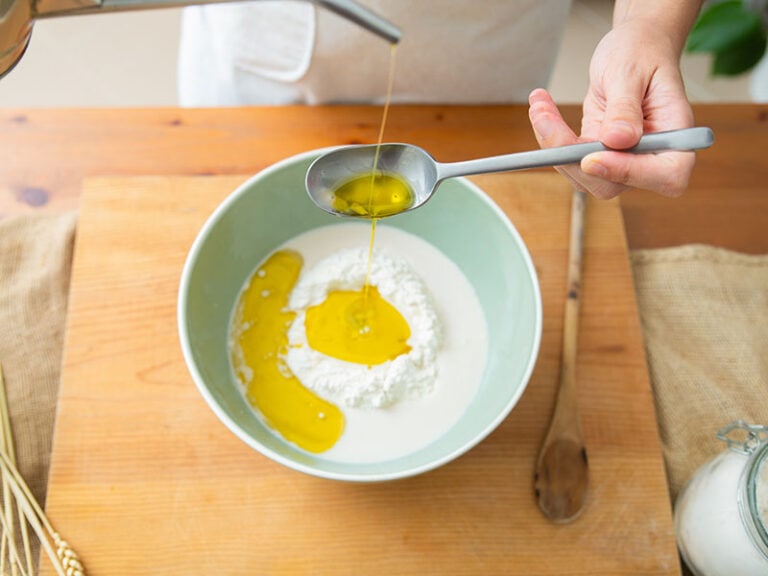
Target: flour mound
[[409, 376]]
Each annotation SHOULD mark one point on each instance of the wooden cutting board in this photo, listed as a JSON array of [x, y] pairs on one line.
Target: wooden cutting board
[[146, 480]]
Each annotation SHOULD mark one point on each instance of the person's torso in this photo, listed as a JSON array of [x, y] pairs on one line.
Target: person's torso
[[451, 52]]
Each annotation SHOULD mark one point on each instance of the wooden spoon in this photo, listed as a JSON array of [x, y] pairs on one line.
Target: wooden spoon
[[561, 478]]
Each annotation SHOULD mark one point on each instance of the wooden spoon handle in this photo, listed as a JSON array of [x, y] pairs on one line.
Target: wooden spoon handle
[[561, 478]]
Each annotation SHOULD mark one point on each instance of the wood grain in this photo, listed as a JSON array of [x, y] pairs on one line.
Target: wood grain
[[46, 154], [145, 479]]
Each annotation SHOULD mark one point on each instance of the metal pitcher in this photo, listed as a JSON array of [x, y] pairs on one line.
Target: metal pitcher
[[18, 16]]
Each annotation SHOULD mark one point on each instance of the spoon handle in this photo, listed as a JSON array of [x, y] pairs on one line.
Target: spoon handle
[[685, 139]]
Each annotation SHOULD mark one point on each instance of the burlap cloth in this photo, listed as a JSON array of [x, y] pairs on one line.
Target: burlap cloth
[[35, 261], [704, 313]]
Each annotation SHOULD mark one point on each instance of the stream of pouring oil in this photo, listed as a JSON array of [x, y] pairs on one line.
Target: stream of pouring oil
[[371, 193]]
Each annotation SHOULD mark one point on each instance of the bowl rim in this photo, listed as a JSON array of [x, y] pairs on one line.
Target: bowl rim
[[240, 433]]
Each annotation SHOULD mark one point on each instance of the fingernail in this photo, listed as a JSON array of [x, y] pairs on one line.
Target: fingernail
[[593, 167], [536, 94]]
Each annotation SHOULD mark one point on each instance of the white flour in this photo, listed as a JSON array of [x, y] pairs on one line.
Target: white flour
[[409, 376]]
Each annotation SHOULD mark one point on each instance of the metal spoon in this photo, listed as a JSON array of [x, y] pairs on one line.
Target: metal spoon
[[424, 174]]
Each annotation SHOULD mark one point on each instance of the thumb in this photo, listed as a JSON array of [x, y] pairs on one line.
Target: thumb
[[622, 124]]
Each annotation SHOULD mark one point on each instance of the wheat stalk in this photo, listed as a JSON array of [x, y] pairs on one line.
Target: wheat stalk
[[7, 445], [30, 514]]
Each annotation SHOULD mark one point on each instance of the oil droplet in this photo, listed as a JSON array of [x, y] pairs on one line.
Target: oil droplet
[[357, 326], [261, 328]]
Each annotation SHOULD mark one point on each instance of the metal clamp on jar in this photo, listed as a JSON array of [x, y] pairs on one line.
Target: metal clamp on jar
[[721, 515]]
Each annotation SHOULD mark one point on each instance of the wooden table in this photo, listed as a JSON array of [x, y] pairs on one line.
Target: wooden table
[[144, 480], [46, 154]]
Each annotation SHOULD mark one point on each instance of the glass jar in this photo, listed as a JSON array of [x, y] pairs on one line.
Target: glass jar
[[721, 515]]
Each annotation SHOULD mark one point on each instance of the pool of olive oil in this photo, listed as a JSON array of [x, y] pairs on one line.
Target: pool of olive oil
[[373, 196]]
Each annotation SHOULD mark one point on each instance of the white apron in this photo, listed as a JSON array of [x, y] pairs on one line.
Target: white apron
[[288, 51]]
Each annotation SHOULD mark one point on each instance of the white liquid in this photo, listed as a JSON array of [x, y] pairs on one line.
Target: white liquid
[[374, 435]]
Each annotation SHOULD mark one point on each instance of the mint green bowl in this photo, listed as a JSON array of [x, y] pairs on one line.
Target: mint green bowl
[[272, 207]]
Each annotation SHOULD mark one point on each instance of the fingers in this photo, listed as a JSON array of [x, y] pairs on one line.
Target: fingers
[[622, 123], [551, 130], [666, 173], [608, 174], [548, 125]]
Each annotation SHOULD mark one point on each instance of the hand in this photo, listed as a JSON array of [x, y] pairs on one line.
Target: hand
[[635, 88]]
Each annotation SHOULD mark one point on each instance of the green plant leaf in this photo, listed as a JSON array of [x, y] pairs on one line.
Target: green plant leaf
[[721, 26], [740, 57]]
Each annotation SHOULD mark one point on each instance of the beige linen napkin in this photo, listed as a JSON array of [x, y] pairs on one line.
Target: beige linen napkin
[[35, 262], [704, 313]]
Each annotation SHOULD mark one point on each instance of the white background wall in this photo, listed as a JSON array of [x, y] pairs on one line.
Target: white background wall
[[129, 59]]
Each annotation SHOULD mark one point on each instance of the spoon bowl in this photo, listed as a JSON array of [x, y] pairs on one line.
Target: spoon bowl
[[423, 174], [409, 163]]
